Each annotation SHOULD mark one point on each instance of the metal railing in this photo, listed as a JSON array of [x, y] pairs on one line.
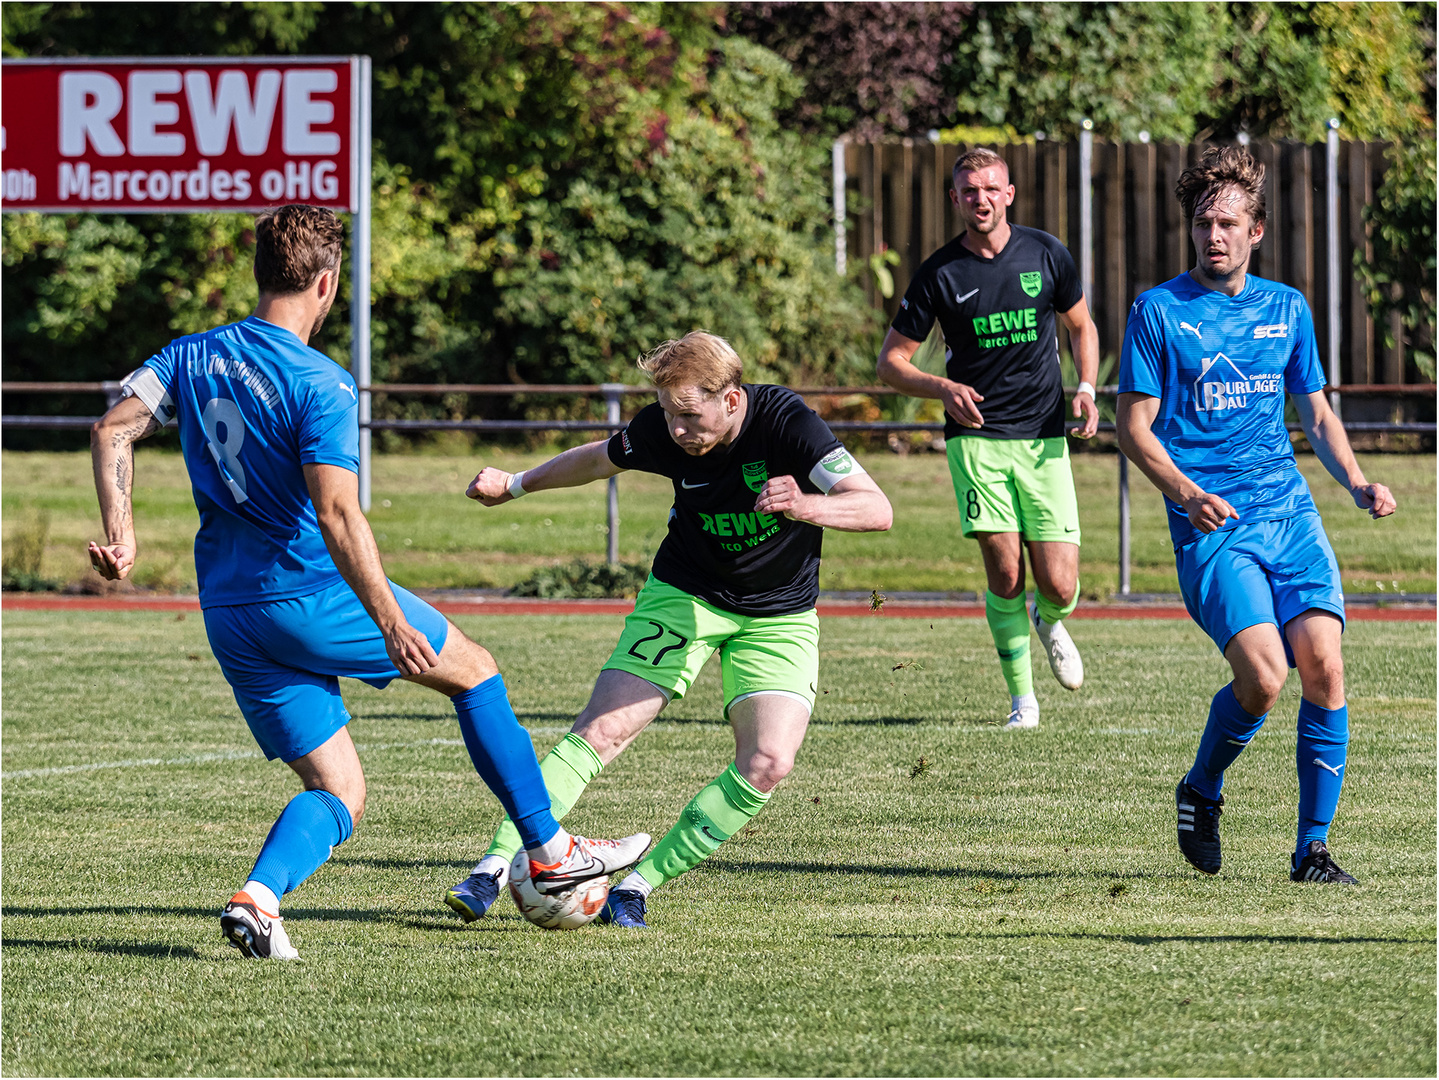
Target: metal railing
[[614, 393]]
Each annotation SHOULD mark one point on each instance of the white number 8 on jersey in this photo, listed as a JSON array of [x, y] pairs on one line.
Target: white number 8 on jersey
[[226, 451]]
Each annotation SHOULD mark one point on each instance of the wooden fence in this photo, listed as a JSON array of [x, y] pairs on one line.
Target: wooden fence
[[897, 197]]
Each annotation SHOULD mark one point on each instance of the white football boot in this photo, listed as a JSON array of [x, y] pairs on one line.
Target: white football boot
[[587, 859], [1023, 713], [257, 934], [1064, 658]]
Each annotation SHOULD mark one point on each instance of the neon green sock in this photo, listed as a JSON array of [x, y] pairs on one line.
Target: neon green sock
[[722, 808], [566, 769], [1009, 626], [1051, 612]]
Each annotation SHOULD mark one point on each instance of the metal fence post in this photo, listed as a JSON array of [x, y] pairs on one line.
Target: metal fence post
[[841, 254], [1331, 199], [1123, 525], [360, 283], [612, 392], [1086, 211]]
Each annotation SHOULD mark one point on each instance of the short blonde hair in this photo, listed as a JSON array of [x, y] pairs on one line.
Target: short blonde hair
[[981, 157], [697, 359]]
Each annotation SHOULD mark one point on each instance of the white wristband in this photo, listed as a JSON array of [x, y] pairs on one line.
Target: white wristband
[[517, 488], [1085, 388]]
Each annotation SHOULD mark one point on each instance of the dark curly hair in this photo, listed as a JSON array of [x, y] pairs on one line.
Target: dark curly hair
[[294, 245]]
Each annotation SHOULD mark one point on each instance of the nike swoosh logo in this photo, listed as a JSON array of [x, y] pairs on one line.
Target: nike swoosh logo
[[966, 296], [566, 876], [706, 830], [690, 487]]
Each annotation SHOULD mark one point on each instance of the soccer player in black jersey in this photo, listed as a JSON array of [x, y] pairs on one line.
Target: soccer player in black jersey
[[757, 477], [995, 291]]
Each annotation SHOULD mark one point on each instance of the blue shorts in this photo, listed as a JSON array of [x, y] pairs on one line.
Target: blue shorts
[[1265, 572], [282, 659]]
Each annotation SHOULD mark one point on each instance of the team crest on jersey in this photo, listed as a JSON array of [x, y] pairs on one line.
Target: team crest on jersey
[[1222, 387], [755, 474], [1031, 281]]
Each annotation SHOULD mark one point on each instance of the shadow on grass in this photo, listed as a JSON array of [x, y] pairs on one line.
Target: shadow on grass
[[114, 948], [1141, 939], [830, 721], [734, 865], [402, 864], [426, 716]]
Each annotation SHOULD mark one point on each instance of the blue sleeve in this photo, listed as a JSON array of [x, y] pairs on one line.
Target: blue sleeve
[[330, 425], [1141, 362], [1304, 374], [915, 317], [165, 364]]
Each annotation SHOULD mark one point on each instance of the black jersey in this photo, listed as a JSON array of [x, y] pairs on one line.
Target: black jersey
[[718, 547], [999, 330]]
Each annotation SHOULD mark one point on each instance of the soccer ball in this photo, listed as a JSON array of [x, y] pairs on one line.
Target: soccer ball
[[568, 910]]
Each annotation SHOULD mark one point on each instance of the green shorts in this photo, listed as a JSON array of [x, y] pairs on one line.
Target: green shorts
[[1014, 485], [671, 634]]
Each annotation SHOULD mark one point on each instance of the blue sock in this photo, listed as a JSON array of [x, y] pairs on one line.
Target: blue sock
[[1319, 753], [504, 756], [311, 826], [1225, 736]]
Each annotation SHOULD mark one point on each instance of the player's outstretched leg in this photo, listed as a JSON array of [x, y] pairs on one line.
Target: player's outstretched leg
[[768, 728], [311, 826], [504, 757], [620, 707], [1064, 659], [722, 808], [1009, 626], [567, 770]]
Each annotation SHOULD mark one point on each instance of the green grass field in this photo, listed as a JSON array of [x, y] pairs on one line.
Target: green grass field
[[431, 536], [1016, 907]]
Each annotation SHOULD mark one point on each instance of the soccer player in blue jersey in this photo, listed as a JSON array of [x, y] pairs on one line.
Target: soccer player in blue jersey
[[290, 579], [1208, 358]]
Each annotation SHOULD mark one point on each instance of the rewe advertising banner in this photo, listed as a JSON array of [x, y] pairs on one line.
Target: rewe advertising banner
[[201, 133]]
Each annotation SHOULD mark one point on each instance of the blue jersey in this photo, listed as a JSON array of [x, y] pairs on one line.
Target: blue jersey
[[1220, 367], [254, 404]]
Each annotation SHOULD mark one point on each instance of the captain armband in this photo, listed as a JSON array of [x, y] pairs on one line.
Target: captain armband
[[835, 466], [144, 384]]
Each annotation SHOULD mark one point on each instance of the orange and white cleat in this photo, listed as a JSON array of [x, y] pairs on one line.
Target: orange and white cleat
[[586, 860], [257, 934]]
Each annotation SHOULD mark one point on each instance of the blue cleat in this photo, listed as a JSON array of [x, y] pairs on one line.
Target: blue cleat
[[625, 907], [475, 895]]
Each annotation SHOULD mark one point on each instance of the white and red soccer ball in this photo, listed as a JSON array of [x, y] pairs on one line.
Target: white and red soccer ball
[[568, 910]]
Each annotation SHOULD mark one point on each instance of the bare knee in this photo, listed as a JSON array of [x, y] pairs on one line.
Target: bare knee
[[1058, 591], [1321, 679], [350, 790], [473, 662], [764, 769], [1259, 688], [607, 733]]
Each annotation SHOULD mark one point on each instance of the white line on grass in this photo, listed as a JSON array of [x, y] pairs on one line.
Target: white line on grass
[[233, 755]]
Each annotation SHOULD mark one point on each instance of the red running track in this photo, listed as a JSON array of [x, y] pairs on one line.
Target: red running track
[[892, 609]]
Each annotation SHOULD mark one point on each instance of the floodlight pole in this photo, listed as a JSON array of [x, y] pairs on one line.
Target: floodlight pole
[[360, 278]]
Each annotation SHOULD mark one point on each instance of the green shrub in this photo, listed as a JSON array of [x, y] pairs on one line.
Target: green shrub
[[581, 580]]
